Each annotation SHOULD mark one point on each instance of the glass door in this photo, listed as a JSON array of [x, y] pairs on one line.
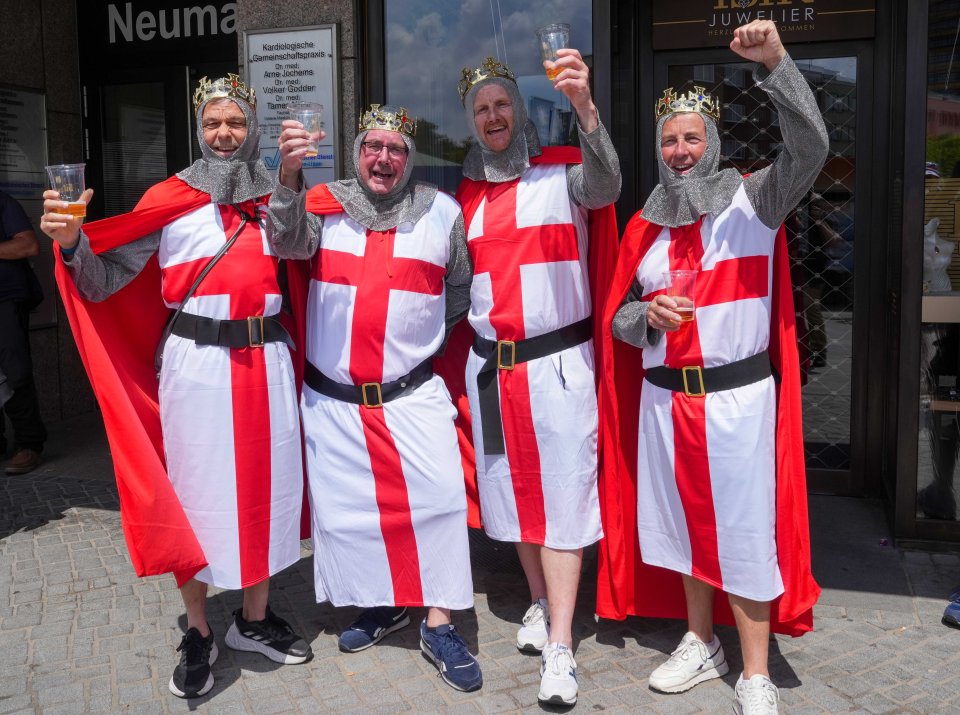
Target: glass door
[[140, 130], [823, 243]]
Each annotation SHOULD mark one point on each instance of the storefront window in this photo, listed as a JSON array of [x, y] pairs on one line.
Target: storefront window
[[428, 43], [939, 432]]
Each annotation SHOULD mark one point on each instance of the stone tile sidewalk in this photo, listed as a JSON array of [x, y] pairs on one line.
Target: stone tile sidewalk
[[81, 633]]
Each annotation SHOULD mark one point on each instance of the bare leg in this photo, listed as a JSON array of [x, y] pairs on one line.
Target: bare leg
[[561, 569], [530, 559], [194, 595], [255, 601], [699, 607], [437, 617], [753, 625]]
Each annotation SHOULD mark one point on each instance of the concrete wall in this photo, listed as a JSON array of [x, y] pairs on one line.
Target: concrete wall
[[39, 51]]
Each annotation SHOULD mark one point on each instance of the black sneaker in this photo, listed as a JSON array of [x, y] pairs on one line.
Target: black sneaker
[[192, 677], [272, 636]]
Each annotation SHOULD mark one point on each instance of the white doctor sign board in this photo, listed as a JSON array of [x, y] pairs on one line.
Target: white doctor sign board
[[295, 65]]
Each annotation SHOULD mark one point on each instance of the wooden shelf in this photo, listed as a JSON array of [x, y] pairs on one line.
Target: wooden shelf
[[941, 308], [945, 405]]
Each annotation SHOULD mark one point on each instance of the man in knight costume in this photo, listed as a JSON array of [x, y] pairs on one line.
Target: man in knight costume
[[389, 272], [704, 475], [542, 235], [211, 479]]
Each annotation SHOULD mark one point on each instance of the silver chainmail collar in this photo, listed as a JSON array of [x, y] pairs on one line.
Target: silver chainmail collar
[[242, 177], [483, 164], [682, 200], [406, 203]]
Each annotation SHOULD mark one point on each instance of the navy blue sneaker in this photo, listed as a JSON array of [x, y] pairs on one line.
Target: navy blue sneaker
[[951, 615], [448, 651], [371, 627]]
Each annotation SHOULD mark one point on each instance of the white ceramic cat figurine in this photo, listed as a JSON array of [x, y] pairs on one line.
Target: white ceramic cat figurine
[[937, 254]]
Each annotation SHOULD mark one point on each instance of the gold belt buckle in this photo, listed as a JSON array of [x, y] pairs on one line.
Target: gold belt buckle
[[501, 344], [366, 401], [251, 322], [698, 371]]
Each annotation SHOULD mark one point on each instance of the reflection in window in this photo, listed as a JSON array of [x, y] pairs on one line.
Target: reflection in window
[[427, 44], [939, 409]]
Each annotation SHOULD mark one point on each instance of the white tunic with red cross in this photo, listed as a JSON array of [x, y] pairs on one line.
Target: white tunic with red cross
[[386, 483], [706, 482], [231, 430], [528, 240]]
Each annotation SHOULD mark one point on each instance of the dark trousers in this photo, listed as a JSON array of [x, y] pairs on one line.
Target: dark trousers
[[22, 408]]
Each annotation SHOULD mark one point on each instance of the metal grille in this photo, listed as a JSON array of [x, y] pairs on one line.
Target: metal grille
[[819, 232]]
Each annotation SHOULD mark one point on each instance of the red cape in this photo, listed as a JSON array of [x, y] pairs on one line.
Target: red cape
[[117, 339], [451, 366], [627, 586]]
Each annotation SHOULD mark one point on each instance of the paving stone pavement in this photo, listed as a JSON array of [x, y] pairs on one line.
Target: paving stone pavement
[[81, 633]]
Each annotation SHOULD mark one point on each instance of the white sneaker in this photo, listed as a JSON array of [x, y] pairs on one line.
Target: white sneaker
[[535, 630], [691, 663], [756, 696], [558, 675]]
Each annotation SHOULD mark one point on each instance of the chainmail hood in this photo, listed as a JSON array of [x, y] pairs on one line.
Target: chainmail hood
[[406, 202], [242, 177], [681, 200], [483, 164]]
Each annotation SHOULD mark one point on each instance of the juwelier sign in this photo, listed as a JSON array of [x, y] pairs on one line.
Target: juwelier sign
[[710, 23], [295, 65]]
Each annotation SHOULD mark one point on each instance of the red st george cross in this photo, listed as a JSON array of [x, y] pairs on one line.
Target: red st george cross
[[501, 252], [375, 274], [729, 280], [247, 275]]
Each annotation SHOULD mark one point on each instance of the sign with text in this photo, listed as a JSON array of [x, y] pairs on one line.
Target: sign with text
[[140, 32], [710, 23], [296, 65], [23, 156]]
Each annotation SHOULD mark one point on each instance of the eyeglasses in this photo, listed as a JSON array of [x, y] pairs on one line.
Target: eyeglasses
[[374, 148]]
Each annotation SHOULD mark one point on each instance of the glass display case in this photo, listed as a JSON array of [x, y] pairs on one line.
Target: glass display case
[[939, 404]]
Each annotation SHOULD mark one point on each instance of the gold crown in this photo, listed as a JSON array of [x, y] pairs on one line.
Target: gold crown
[[489, 68], [696, 100], [399, 121], [229, 87]]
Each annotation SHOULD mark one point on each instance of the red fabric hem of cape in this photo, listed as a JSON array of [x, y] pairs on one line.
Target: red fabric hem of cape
[[451, 366], [627, 586], [117, 339]]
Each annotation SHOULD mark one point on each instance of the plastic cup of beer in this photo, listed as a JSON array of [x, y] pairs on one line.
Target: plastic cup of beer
[[309, 114], [552, 38], [69, 181], [680, 286]]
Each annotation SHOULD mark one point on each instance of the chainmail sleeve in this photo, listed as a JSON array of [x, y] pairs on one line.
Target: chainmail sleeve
[[776, 189], [459, 276], [291, 230], [596, 182], [630, 321], [98, 276]]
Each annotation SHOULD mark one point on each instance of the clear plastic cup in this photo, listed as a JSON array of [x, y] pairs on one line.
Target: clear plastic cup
[[310, 115], [552, 38], [70, 181], [681, 285]]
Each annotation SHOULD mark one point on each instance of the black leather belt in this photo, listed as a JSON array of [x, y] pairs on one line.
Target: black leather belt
[[369, 394], [505, 355], [251, 332], [696, 381]]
